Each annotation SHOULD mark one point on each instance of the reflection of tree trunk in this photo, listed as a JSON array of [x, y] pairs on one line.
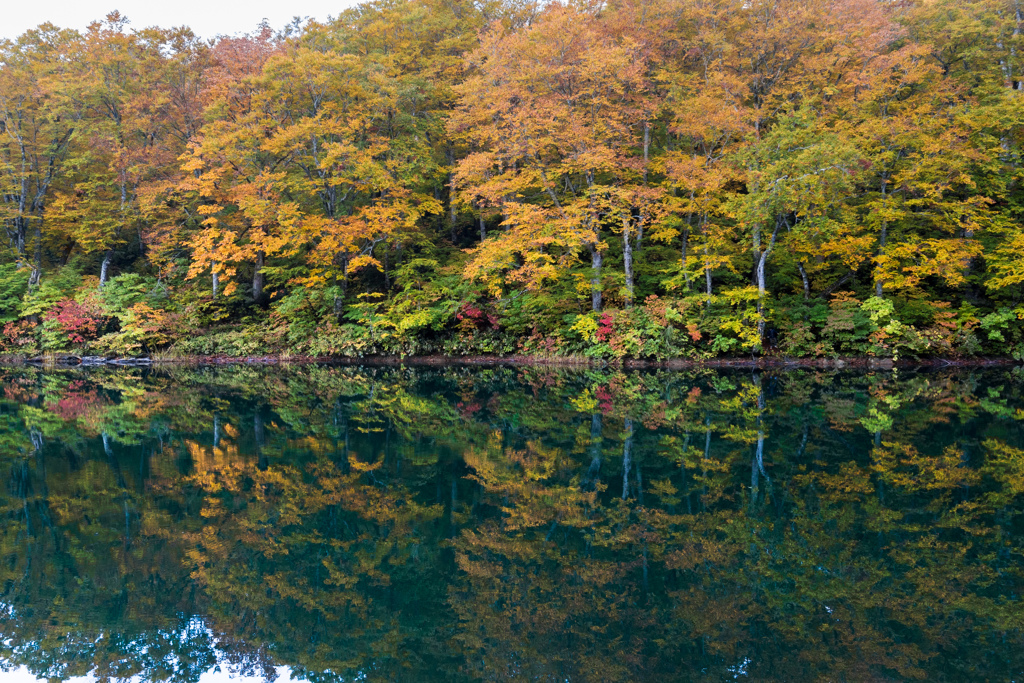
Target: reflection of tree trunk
[[639, 483], [451, 511], [707, 456], [590, 479], [627, 448], [345, 465], [259, 438], [645, 578], [23, 487], [881, 488], [216, 430], [683, 483], [757, 466], [124, 486], [803, 442]]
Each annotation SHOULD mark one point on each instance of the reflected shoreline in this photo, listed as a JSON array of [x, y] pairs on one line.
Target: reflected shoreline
[[519, 360]]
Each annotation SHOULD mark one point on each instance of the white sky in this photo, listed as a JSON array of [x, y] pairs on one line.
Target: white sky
[[208, 18]]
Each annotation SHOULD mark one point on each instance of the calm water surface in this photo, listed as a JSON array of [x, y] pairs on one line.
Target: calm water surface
[[511, 524]]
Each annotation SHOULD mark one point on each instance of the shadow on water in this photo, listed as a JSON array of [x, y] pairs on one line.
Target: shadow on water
[[512, 523]]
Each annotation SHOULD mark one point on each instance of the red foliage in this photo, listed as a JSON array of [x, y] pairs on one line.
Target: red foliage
[[471, 316], [77, 401], [76, 321], [605, 327], [17, 335], [468, 409]]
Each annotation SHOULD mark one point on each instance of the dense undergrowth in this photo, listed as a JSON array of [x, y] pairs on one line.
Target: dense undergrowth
[[137, 315]]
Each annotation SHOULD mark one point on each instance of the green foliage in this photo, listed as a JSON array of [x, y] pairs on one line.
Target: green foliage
[[61, 284], [13, 285]]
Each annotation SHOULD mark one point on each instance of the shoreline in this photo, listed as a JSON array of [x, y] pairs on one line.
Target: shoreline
[[766, 362]]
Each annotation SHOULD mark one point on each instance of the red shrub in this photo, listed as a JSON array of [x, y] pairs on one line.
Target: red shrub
[[77, 322]]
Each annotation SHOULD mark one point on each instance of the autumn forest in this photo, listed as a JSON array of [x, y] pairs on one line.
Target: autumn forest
[[625, 179]]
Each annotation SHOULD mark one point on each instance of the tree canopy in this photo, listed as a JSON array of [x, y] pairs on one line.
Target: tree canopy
[[680, 178]]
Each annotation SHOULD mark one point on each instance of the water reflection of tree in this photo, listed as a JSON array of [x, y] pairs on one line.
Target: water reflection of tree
[[513, 523]]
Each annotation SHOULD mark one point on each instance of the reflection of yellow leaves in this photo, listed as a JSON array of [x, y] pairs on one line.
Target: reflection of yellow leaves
[[850, 479], [585, 402], [209, 459], [1006, 465], [695, 551], [903, 466]]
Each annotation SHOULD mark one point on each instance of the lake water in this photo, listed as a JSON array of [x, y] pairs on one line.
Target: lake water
[[395, 524]]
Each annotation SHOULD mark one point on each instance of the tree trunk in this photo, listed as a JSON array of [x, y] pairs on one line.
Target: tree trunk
[[595, 277], [105, 267], [214, 280], [647, 148], [257, 278], [760, 277], [683, 256], [450, 153], [339, 303], [37, 264], [483, 229], [807, 283], [761, 262], [20, 229], [882, 237], [64, 257], [707, 277], [707, 255], [627, 260]]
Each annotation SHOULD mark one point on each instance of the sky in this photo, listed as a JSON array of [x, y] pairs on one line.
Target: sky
[[208, 18]]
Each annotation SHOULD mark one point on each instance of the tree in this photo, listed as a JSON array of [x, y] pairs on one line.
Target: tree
[[561, 111]]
